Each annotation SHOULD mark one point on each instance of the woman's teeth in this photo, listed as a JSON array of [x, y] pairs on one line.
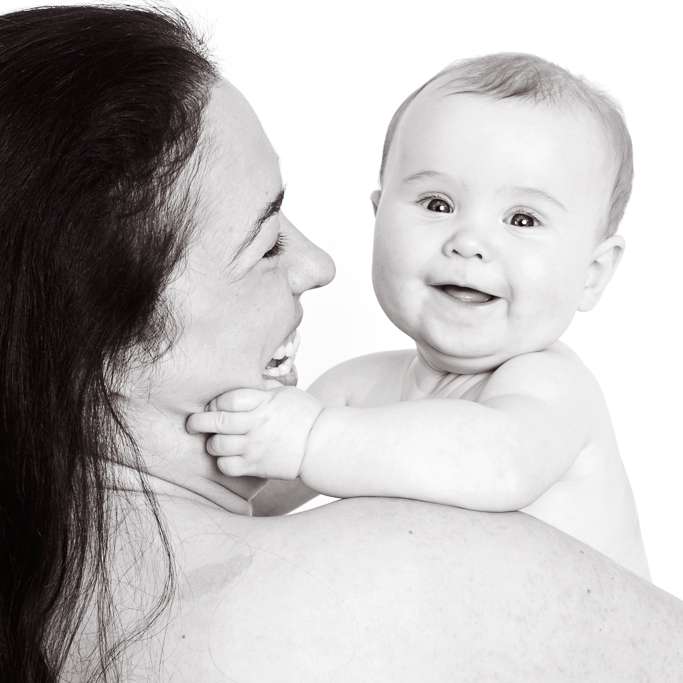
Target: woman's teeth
[[284, 357]]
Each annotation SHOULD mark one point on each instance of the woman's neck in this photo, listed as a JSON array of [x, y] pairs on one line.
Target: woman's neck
[[177, 464]]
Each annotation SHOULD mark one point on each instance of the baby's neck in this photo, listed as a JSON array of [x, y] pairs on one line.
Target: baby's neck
[[424, 380]]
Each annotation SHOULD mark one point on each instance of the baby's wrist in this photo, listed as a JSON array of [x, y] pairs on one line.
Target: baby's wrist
[[320, 467], [310, 447]]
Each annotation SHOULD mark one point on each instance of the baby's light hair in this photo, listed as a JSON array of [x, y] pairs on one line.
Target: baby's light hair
[[528, 77]]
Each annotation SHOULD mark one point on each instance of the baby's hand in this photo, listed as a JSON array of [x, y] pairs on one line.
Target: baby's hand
[[258, 433]]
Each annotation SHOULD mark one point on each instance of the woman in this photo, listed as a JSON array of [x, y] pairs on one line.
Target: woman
[[146, 268]]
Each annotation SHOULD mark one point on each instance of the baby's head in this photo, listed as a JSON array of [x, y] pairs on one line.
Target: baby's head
[[503, 179]]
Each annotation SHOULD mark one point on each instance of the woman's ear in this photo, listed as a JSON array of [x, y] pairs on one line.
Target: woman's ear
[[604, 262], [374, 198]]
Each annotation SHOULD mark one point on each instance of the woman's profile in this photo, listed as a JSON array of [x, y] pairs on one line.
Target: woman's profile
[[146, 268]]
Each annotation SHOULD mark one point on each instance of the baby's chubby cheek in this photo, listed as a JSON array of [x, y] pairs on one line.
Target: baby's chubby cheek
[[391, 284], [396, 259], [543, 315]]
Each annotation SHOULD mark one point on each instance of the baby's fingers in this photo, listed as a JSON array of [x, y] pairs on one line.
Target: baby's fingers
[[224, 444], [219, 422], [239, 400], [233, 466]]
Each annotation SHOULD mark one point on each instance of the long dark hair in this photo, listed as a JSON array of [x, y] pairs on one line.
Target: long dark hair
[[100, 111]]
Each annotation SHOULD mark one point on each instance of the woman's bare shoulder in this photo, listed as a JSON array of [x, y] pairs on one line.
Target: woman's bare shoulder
[[381, 589]]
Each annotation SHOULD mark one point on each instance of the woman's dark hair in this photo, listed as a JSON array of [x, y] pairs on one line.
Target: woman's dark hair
[[100, 111]]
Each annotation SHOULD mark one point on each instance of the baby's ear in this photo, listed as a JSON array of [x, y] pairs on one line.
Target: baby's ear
[[604, 262], [374, 198]]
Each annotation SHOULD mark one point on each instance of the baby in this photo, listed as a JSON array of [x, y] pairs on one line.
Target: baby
[[503, 181]]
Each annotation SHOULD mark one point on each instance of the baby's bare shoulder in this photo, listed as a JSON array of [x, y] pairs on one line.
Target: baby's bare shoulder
[[548, 374], [350, 382]]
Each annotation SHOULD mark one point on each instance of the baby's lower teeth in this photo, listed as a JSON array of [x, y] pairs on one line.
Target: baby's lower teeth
[[281, 370]]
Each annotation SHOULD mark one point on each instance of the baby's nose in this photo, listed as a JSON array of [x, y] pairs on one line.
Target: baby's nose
[[468, 242]]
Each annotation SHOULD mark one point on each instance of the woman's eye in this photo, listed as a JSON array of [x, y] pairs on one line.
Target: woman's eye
[[523, 220], [439, 206], [277, 248]]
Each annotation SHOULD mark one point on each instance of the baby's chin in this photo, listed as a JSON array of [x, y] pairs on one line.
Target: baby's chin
[[440, 360]]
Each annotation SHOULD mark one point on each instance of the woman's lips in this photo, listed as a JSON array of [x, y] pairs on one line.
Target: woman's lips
[[281, 367], [466, 294]]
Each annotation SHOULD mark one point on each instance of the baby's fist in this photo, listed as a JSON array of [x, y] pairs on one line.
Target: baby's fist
[[259, 433]]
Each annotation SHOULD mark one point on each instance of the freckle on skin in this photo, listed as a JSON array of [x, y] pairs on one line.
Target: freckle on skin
[[410, 532], [589, 590]]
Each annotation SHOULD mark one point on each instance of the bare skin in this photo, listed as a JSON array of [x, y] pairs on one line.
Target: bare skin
[[379, 589], [483, 264], [360, 590], [590, 498]]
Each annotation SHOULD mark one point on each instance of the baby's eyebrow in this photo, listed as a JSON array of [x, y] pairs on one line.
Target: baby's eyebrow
[[423, 174], [539, 194]]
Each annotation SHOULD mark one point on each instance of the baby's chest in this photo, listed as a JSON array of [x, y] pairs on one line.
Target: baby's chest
[[395, 387], [383, 392], [380, 384]]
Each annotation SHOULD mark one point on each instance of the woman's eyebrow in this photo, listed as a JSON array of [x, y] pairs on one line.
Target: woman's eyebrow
[[270, 210]]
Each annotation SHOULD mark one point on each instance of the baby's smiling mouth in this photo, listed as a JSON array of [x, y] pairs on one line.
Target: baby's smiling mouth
[[466, 294]]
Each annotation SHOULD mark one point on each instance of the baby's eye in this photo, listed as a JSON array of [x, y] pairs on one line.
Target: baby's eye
[[439, 206], [523, 220], [277, 248]]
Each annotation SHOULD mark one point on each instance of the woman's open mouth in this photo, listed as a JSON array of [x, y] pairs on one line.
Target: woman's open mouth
[[281, 367], [466, 294]]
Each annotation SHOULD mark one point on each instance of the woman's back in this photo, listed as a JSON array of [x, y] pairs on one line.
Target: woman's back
[[395, 590]]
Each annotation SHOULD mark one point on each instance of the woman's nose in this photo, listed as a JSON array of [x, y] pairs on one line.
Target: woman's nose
[[308, 266], [468, 241]]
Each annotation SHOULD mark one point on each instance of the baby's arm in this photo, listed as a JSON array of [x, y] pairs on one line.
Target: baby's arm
[[501, 453], [529, 424]]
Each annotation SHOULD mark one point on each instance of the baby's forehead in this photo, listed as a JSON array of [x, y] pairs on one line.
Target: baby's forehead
[[442, 96], [439, 110]]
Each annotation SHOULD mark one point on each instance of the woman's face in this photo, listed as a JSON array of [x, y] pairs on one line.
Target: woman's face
[[237, 297]]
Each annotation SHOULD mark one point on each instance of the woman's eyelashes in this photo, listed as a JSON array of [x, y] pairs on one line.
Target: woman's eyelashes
[[277, 248]]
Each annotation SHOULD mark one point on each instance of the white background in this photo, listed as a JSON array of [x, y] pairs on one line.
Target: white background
[[325, 78]]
